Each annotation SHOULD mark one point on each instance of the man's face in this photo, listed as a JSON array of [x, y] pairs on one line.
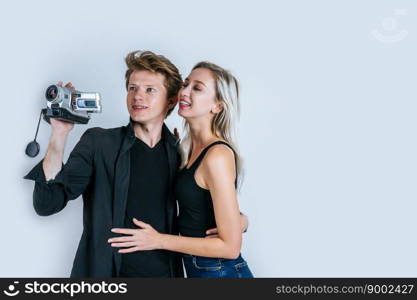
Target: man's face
[[147, 97]]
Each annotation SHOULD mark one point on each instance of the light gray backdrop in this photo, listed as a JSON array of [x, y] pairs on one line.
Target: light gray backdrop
[[327, 130]]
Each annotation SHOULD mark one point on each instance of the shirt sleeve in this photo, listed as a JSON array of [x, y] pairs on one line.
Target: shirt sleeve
[[52, 196]]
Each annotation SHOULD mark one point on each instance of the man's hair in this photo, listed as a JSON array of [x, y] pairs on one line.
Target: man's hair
[[149, 61]]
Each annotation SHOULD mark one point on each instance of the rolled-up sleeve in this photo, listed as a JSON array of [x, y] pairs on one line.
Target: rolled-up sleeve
[[52, 196]]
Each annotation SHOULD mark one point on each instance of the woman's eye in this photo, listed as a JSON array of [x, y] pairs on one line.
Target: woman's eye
[[150, 90], [196, 88], [132, 88], [184, 84]]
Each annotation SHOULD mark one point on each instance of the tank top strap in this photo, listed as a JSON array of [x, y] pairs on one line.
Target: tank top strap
[[197, 162], [200, 157]]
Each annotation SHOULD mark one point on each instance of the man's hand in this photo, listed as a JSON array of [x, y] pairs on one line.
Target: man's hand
[[146, 238], [61, 127], [52, 162], [244, 222]]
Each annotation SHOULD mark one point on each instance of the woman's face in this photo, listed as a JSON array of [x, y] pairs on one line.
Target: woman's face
[[197, 97]]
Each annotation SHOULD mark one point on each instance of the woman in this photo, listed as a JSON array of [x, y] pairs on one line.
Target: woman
[[207, 180]]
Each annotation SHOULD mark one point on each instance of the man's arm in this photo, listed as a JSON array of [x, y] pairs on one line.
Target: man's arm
[[55, 185], [52, 162]]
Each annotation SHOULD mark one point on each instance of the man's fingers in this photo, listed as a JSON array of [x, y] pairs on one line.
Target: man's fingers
[[129, 250], [212, 231], [212, 236], [127, 244], [70, 85]]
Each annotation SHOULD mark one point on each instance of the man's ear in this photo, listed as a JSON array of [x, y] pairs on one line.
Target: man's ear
[[172, 102]]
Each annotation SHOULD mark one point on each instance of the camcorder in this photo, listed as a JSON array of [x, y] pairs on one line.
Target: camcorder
[[69, 105]]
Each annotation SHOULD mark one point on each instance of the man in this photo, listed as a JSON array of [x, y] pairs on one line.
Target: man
[[122, 173]]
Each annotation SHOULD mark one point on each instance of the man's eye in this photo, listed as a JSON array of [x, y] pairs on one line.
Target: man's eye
[[132, 88]]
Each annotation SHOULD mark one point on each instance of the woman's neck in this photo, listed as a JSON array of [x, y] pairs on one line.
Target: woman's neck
[[201, 134]]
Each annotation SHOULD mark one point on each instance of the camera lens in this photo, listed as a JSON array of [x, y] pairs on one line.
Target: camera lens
[[51, 92]]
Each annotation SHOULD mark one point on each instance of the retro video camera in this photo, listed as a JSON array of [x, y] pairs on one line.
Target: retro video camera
[[67, 105], [70, 105]]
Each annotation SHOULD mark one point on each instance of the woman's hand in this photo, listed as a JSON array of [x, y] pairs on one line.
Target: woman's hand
[[146, 238]]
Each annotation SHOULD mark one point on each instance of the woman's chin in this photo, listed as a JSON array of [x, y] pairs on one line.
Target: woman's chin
[[182, 113]]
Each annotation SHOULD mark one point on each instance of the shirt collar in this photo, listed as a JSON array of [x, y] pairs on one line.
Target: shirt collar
[[166, 134]]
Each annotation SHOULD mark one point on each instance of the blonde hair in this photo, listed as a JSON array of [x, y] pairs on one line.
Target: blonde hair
[[223, 123], [149, 61]]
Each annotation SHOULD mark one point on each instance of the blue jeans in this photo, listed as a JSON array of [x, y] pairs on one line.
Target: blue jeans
[[207, 267]]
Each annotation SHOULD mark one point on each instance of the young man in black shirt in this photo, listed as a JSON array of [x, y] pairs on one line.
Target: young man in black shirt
[[122, 173]]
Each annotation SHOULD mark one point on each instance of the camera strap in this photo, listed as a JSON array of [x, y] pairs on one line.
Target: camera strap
[[32, 149]]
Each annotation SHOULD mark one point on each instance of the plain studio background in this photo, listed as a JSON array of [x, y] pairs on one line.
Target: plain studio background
[[327, 130]]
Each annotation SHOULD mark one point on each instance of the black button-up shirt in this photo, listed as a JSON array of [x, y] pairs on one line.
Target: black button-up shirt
[[98, 168]]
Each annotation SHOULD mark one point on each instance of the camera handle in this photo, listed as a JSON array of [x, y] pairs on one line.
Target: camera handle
[[32, 149]]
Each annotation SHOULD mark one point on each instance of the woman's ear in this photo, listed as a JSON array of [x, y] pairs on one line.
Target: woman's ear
[[218, 107]]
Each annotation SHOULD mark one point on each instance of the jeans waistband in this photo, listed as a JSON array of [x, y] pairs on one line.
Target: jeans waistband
[[189, 256]]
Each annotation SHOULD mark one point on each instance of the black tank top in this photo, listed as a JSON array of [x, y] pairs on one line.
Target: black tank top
[[196, 213]]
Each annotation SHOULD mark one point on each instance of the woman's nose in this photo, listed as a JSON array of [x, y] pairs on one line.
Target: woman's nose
[[185, 91]]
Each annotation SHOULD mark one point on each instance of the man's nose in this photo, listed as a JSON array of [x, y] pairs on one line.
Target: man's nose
[[139, 94]]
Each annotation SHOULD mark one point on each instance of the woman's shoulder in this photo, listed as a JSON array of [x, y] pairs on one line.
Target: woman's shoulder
[[219, 156], [219, 149]]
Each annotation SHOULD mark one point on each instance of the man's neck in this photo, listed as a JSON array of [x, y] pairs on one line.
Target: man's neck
[[150, 134]]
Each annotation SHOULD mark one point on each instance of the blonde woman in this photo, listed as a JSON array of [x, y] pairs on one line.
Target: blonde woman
[[206, 183]]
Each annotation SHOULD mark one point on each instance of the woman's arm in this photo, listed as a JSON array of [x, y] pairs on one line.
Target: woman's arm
[[218, 173], [244, 224]]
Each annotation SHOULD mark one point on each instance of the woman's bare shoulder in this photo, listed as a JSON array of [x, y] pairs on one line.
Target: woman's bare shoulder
[[219, 158]]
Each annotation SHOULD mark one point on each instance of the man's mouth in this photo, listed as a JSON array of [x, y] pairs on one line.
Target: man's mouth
[[139, 107]]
